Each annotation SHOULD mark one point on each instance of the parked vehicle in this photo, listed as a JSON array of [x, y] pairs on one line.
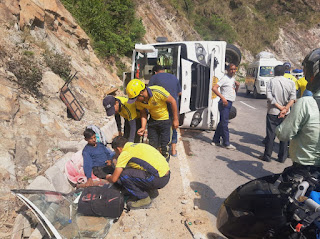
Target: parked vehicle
[[197, 65], [259, 72]]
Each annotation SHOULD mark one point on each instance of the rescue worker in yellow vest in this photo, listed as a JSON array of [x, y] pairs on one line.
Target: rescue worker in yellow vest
[[141, 169], [119, 106], [287, 74], [154, 99], [301, 86]]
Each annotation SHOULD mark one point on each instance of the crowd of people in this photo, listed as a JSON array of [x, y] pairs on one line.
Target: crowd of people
[[143, 168]]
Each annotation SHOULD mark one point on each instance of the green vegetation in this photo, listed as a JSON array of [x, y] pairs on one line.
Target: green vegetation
[[254, 25], [110, 23], [58, 63], [28, 73]]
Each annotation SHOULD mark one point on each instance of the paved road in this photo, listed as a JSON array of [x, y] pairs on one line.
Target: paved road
[[217, 171]]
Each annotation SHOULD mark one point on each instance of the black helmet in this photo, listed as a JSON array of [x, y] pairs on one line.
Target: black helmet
[[311, 67], [253, 211]]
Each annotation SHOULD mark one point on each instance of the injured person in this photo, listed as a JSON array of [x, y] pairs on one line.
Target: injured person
[[97, 159], [141, 170]]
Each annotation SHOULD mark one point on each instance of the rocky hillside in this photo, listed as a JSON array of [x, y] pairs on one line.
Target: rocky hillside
[[289, 29], [35, 129]]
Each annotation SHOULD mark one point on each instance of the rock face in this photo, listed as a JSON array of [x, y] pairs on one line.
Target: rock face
[[292, 44], [33, 129]]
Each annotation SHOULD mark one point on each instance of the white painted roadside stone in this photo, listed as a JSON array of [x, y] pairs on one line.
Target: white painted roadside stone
[[58, 179], [41, 183], [68, 146], [82, 143], [62, 161], [110, 130]]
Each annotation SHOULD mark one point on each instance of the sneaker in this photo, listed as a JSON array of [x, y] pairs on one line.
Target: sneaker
[[153, 193], [174, 155], [263, 158], [139, 204], [231, 147], [215, 144]]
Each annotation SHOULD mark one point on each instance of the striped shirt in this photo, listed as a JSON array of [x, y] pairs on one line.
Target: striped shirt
[[157, 103]]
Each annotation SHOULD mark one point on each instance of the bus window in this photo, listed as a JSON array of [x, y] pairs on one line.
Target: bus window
[[266, 71], [168, 58]]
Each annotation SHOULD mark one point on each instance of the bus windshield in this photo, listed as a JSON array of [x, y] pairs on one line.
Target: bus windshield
[[167, 56], [266, 71]]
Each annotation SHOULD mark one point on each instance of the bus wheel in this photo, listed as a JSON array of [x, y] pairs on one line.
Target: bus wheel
[[247, 91], [233, 112], [233, 55], [255, 93]]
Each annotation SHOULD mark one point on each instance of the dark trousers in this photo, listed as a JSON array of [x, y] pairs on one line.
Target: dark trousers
[[126, 134], [102, 171], [159, 135], [272, 122], [222, 128], [137, 182]]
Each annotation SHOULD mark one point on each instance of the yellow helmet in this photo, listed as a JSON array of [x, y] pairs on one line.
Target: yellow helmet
[[134, 88]]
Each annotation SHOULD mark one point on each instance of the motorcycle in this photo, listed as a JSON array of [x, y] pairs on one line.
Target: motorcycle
[[278, 206]]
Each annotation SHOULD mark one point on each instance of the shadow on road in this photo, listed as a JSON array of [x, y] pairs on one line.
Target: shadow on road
[[245, 168], [248, 137], [253, 139], [208, 200], [195, 134]]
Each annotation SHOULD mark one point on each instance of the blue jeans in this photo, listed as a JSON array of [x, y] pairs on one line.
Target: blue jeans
[[174, 138], [222, 128]]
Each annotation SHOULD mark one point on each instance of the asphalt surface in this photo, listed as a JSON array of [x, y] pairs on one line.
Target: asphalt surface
[[217, 171]]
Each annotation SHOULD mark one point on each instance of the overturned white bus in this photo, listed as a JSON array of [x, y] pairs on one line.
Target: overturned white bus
[[197, 65]]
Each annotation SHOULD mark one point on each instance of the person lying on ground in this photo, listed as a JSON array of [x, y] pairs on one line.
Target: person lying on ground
[[140, 168], [97, 159], [118, 106]]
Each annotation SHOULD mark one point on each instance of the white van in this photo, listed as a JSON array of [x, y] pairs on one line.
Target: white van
[[259, 72]]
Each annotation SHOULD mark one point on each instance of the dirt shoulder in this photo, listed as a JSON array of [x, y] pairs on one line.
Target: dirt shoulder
[[169, 211]]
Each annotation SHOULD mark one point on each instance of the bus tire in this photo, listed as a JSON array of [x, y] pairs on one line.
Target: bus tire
[[233, 55], [247, 91], [232, 113], [255, 93]]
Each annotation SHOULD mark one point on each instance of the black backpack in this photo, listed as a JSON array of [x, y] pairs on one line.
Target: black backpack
[[101, 202]]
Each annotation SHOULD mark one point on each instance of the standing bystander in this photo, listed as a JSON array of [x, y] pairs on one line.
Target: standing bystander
[[228, 87], [281, 95], [302, 126]]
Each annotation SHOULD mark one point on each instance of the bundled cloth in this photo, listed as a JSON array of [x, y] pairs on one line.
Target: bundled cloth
[[74, 170]]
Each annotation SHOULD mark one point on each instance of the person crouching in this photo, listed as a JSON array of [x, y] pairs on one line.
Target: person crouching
[[140, 168]]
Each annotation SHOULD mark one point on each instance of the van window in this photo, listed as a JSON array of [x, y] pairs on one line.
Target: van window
[[266, 71]]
